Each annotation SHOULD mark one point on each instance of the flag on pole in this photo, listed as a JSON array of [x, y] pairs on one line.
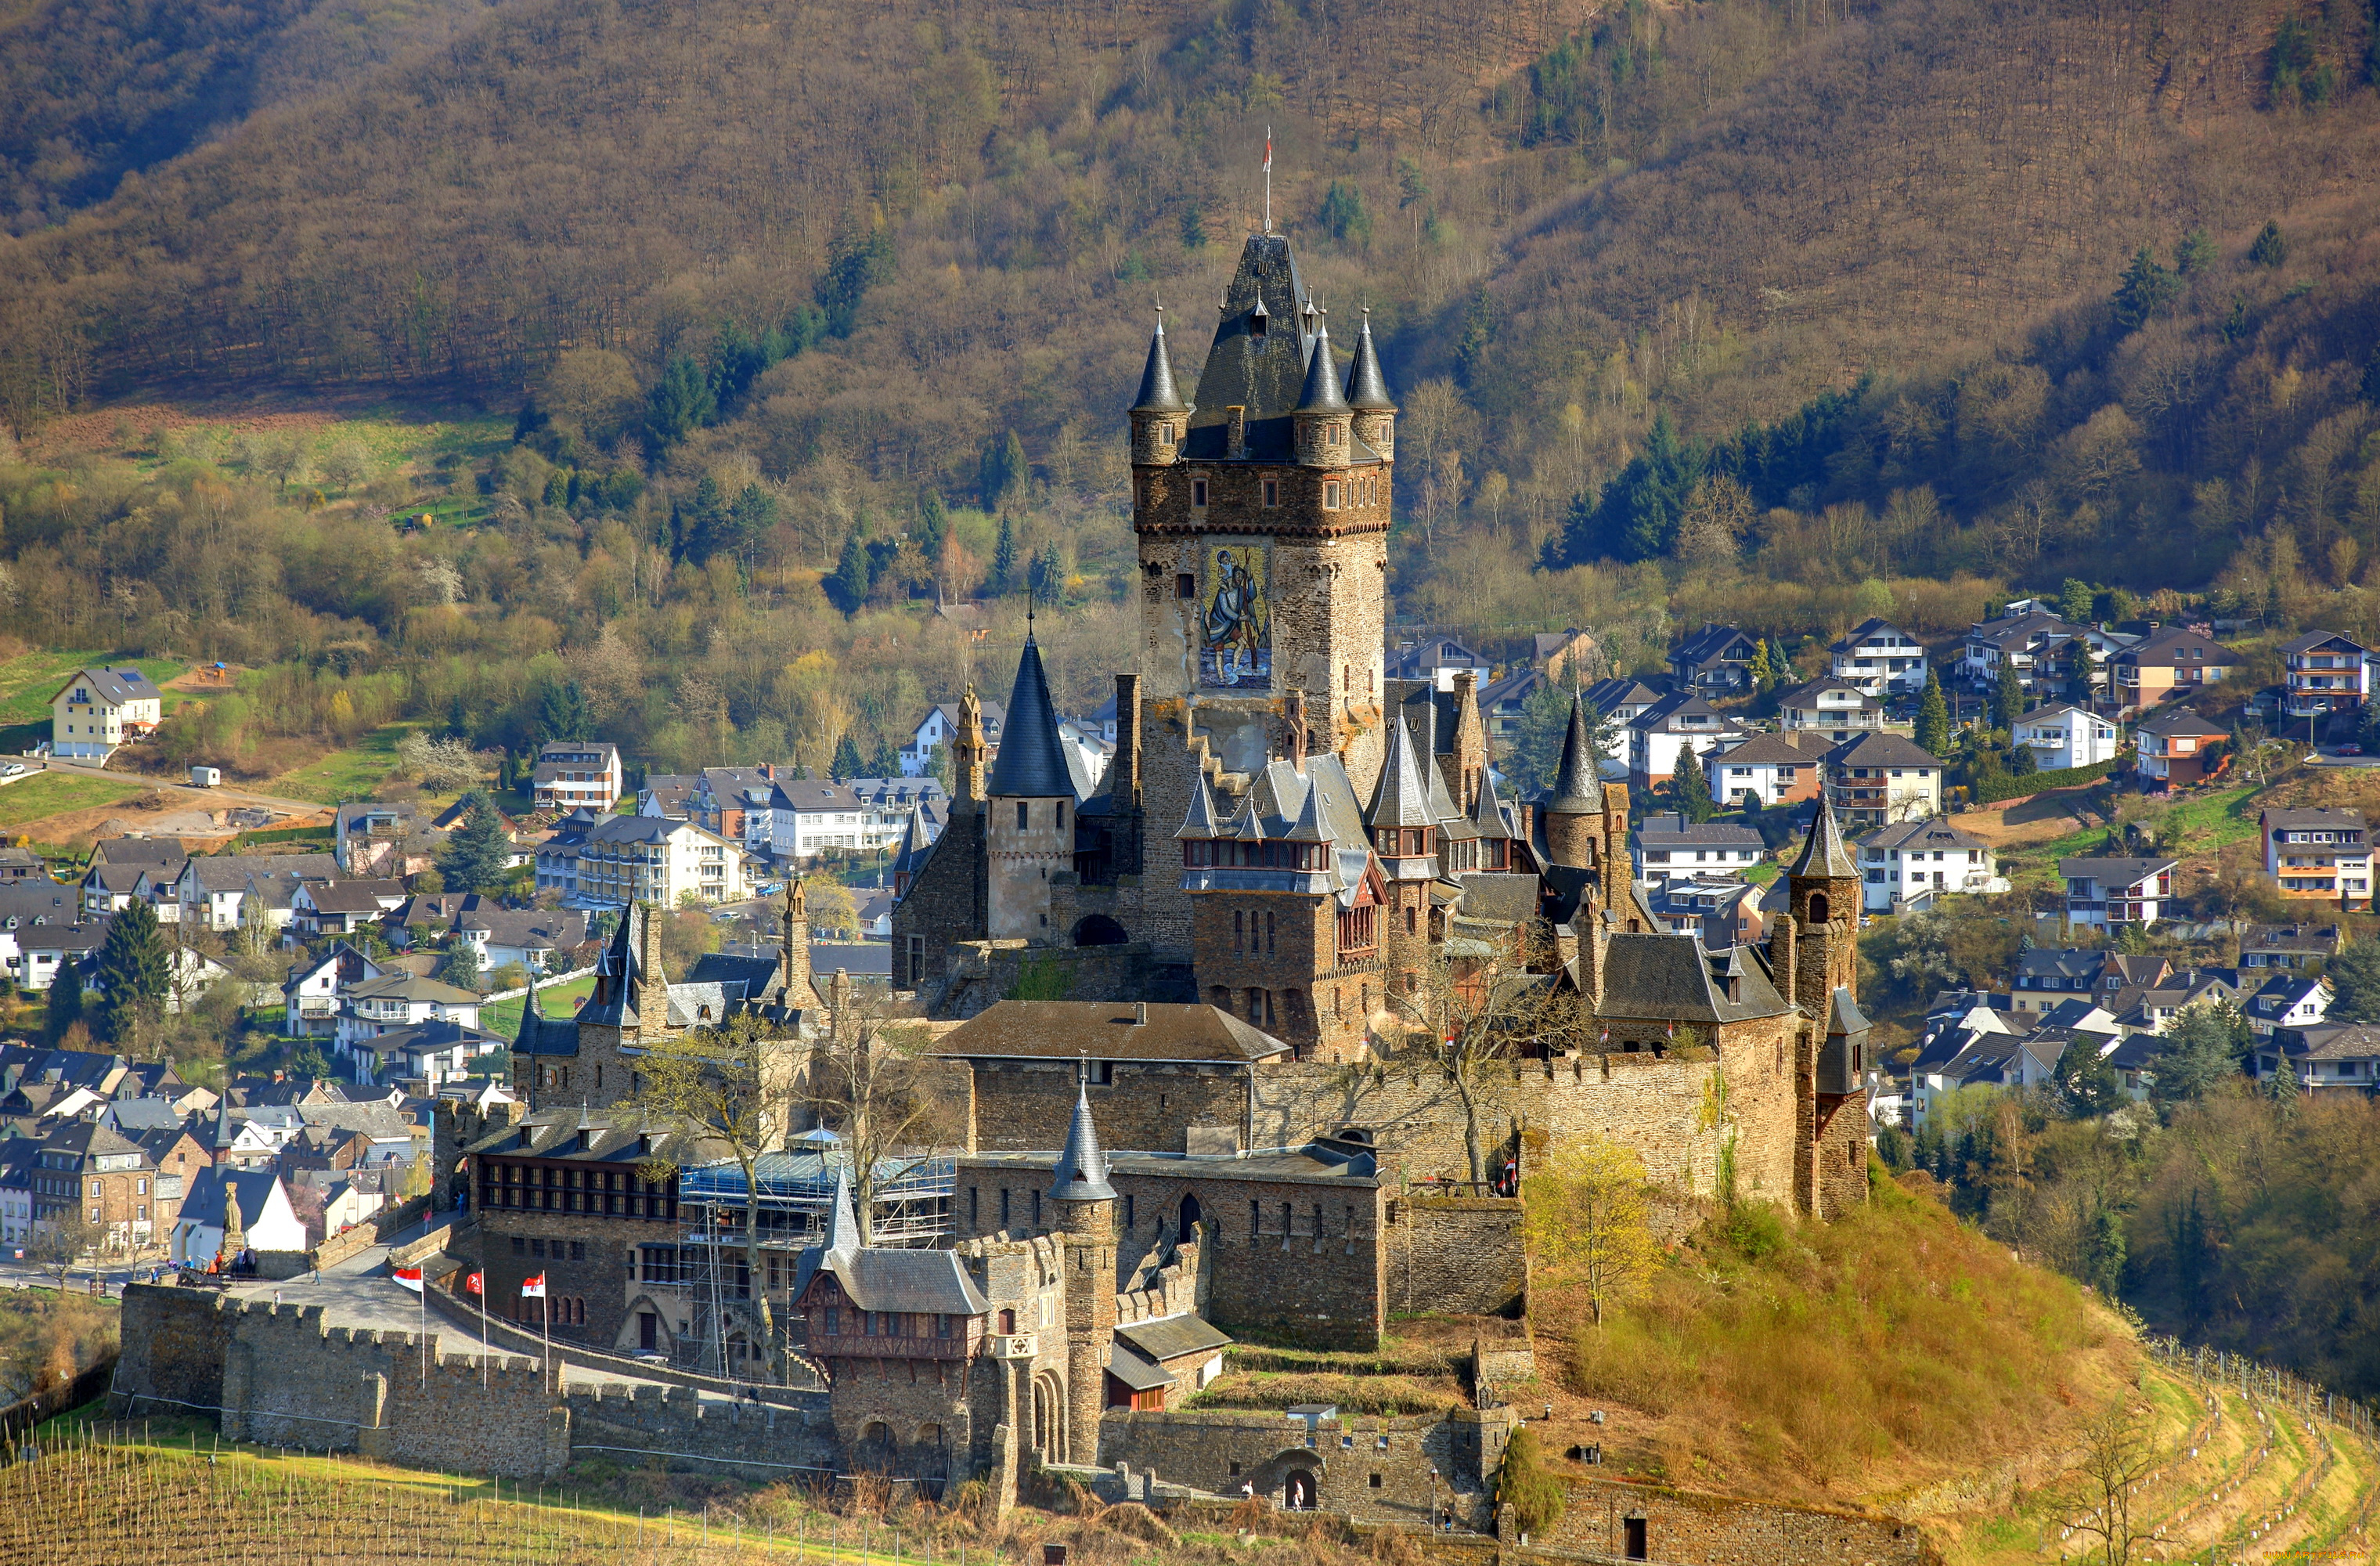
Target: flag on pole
[[533, 1288], [408, 1277], [476, 1283], [1268, 163]]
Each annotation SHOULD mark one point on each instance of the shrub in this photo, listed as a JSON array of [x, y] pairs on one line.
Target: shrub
[[1522, 1484]]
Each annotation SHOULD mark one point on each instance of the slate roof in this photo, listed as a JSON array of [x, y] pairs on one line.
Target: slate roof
[[1172, 1336], [2181, 722], [1032, 761], [1608, 696], [1321, 392], [1157, 392], [1069, 1030], [2112, 871], [1082, 1173], [1806, 696], [2330, 1041], [1578, 780], [1881, 750], [2312, 639], [1823, 853], [1849, 641], [1135, 1369], [211, 1190], [1706, 646], [1670, 978], [115, 687], [136, 851], [2315, 820], [1938, 833], [1258, 360], [2179, 647], [408, 987], [1671, 831], [1399, 800], [1368, 388], [1799, 748]]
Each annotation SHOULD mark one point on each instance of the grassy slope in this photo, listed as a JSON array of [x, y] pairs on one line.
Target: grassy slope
[[29, 680], [559, 1000], [54, 794], [339, 775]]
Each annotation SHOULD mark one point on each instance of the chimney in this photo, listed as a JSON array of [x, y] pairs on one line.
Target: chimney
[[1235, 432], [1140, 1014], [1292, 723], [1126, 776]]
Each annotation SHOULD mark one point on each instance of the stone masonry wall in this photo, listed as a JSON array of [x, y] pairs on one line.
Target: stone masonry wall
[[1371, 1468], [1692, 1528], [1456, 1253], [1026, 1108]]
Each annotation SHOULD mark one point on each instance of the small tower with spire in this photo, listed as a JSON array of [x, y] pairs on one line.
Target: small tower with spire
[[1575, 812], [794, 964], [1367, 395], [1822, 897], [1322, 416], [1028, 809], [969, 748], [1084, 1207], [1159, 417]]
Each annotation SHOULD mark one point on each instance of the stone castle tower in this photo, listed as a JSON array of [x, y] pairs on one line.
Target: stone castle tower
[[1262, 509], [1084, 1209]]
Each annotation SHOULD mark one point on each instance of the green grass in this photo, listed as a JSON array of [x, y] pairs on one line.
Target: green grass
[[29, 680], [2204, 824], [504, 1016], [352, 773], [54, 794]]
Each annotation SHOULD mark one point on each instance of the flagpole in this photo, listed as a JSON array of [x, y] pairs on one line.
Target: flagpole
[[1268, 174], [421, 1292], [546, 1300]]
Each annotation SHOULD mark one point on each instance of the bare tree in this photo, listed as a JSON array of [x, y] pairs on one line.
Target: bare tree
[[64, 1239], [2118, 1456], [873, 1085]]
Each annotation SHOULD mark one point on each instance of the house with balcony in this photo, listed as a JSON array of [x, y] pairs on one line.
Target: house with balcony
[[98, 710], [2062, 735], [1835, 707], [310, 996], [2173, 749], [1879, 657], [2023, 636], [934, 730], [341, 908], [1915, 861], [1714, 660], [2286, 1000], [1671, 847], [2324, 854], [2324, 673], [2107, 892], [2324, 1057], [1879, 779], [1725, 912], [572, 774], [1679, 729], [624, 859], [2288, 948], [1768, 769], [378, 839], [369, 1007], [2170, 661]]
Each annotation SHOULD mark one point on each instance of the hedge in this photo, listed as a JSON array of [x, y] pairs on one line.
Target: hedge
[[1991, 791]]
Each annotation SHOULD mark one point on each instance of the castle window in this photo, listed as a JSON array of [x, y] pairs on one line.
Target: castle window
[[1335, 435], [1186, 585], [1127, 1215], [1023, 816], [1330, 496], [1268, 934], [1198, 497], [1238, 931], [1273, 491]]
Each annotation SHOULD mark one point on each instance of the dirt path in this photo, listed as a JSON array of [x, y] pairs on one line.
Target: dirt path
[[188, 813]]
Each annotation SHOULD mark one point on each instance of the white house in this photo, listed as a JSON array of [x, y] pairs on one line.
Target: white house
[[575, 772], [624, 859], [2067, 736], [382, 1005], [1910, 858], [2322, 854], [2105, 892], [2326, 1057], [1836, 707], [1781, 768], [860, 816], [100, 708], [525, 937], [2325, 672], [430, 1051], [1879, 657], [310, 996], [227, 1211], [42, 951], [2286, 1001], [346, 1206], [1671, 847], [1880, 778], [1676, 727], [212, 887], [935, 729], [1620, 703]]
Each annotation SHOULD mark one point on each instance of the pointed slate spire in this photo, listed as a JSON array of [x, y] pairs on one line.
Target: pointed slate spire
[[1488, 813], [842, 1222], [1031, 764], [1157, 392], [1823, 853], [533, 1017], [1442, 799], [1366, 387], [1322, 394], [1308, 826], [1200, 821], [1082, 1167], [1402, 799], [1576, 784]]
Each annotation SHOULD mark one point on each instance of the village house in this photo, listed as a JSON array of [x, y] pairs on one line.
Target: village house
[[2289, 946], [2106, 892], [213, 887], [310, 996], [2324, 673], [2324, 854], [109, 888], [1714, 660], [1915, 859], [1879, 778], [230, 1212], [2021, 636], [87, 1170], [2062, 735], [341, 908], [1669, 847], [1879, 657], [574, 774], [1837, 709], [2173, 748], [1436, 659], [382, 1005], [2324, 1057], [624, 859], [1768, 769], [98, 710], [934, 730], [2168, 663], [1677, 730], [861, 816], [2286, 1001]]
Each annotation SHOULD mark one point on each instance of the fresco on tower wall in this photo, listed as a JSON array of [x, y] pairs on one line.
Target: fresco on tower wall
[[1235, 618]]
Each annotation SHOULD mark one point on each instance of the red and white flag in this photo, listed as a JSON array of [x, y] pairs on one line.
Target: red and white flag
[[408, 1278], [1268, 162], [533, 1288], [476, 1283]]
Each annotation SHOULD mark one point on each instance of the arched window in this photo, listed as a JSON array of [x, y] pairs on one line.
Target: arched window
[[1269, 933], [1817, 907]]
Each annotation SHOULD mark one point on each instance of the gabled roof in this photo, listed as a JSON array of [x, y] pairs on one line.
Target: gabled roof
[[2326, 820], [1930, 834], [1871, 626], [408, 987], [2111, 871], [1881, 750], [2312, 639], [2180, 722], [1798, 748], [2180, 647], [1074, 1030], [1606, 697], [1806, 695], [1707, 646], [1258, 360], [115, 687], [1669, 977], [1675, 829]]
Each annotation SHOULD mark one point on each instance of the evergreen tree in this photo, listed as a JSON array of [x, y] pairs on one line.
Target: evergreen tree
[[563, 713], [1193, 229], [460, 967], [1002, 471], [857, 260], [2369, 386], [2086, 1083], [1473, 353], [2272, 246], [458, 718], [933, 527], [847, 764], [1637, 515], [883, 761], [2354, 977], [2194, 254], [478, 853], [1534, 754], [848, 587], [1343, 214], [1934, 717], [681, 404], [2203, 1049], [65, 997], [2146, 290], [1003, 557], [1764, 671], [133, 971], [2007, 696], [2022, 762], [1689, 789], [2075, 601]]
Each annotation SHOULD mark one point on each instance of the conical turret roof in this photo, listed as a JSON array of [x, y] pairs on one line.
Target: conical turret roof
[[1576, 784], [1157, 392], [1322, 394], [1031, 765], [1200, 822], [1366, 387], [1487, 812], [842, 1221], [1823, 853], [1082, 1167], [1308, 826], [912, 852], [1402, 799]]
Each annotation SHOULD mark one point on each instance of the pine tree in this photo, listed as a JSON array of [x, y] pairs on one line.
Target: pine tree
[[2075, 601], [1003, 557], [847, 764], [2194, 254], [64, 1007], [2272, 246], [2146, 290], [2008, 699], [933, 527], [1690, 792], [563, 713], [1934, 717], [478, 853], [848, 587], [133, 971]]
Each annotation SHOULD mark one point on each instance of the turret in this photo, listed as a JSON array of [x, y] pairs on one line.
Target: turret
[[1029, 806], [1085, 1210], [1571, 814], [1322, 416], [1159, 417], [1367, 395], [967, 750]]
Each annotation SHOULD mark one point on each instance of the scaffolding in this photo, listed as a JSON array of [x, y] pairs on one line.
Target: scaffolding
[[711, 1269]]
